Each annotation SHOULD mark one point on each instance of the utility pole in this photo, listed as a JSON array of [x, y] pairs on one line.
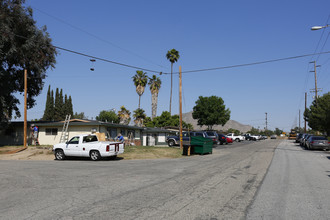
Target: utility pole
[[266, 121], [180, 100], [316, 89], [305, 111], [25, 107]]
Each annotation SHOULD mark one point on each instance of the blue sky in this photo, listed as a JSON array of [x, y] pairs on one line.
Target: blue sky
[[207, 34]]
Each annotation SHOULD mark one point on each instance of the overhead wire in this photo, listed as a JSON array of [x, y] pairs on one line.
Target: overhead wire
[[97, 37]]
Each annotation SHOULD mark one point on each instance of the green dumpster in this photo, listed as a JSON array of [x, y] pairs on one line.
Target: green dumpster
[[201, 145]]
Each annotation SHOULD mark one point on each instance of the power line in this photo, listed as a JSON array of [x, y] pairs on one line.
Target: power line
[[251, 64], [106, 60], [97, 37], [97, 58], [189, 71]]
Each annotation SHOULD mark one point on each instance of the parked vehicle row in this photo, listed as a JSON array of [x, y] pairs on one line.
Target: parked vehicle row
[[313, 142], [217, 138]]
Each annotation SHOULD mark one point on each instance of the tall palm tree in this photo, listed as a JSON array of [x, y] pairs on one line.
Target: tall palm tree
[[154, 85], [172, 56], [140, 80]]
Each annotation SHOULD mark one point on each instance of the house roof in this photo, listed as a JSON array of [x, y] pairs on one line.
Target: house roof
[[84, 122]]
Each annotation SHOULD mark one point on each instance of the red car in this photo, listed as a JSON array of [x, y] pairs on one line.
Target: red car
[[229, 140]]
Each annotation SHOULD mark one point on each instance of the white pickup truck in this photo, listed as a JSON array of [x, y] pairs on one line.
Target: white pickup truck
[[236, 138], [87, 145]]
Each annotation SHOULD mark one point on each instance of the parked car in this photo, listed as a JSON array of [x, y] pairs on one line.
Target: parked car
[[222, 138], [318, 143], [248, 137], [298, 137], [229, 140], [304, 144], [174, 140], [302, 139], [236, 138], [273, 136], [87, 145], [213, 135]]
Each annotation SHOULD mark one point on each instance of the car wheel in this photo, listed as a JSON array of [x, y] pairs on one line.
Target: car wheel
[[221, 143], [171, 143], [59, 155], [237, 140], [95, 155]]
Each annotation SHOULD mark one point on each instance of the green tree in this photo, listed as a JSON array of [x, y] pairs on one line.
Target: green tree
[[254, 131], [108, 116], [57, 107], [80, 115], [66, 105], [49, 108], [318, 114], [22, 46], [210, 111], [140, 80], [165, 119], [278, 131], [139, 116], [235, 131], [154, 85], [124, 115], [62, 106], [173, 56], [70, 106]]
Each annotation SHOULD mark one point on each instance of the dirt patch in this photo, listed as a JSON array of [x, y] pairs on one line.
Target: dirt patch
[[31, 153]]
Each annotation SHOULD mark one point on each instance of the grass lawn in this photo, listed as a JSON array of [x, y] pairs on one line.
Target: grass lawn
[[149, 152]]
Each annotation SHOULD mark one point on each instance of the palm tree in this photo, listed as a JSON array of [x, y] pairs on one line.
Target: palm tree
[[139, 116], [154, 85], [140, 80], [172, 56], [124, 115]]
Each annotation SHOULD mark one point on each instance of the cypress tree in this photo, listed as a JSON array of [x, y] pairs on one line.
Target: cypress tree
[[62, 107], [70, 106], [47, 114], [51, 107], [57, 108], [66, 105]]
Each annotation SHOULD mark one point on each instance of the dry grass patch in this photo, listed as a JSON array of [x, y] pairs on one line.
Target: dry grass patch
[[149, 152]]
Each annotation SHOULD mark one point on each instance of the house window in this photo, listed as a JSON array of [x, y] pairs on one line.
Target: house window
[[51, 131]]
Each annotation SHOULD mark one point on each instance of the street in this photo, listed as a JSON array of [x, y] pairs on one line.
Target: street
[[221, 185], [295, 187]]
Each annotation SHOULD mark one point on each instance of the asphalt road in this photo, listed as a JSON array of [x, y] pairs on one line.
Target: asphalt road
[[221, 185], [297, 186]]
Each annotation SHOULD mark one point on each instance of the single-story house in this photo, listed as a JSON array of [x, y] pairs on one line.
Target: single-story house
[[50, 132]]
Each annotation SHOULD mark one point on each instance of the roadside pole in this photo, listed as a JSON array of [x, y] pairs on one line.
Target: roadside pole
[[25, 106], [180, 104]]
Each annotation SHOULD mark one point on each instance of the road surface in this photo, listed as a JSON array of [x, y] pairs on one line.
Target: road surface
[[297, 186]]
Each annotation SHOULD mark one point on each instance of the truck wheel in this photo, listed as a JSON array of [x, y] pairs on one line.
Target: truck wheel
[[59, 155], [95, 155], [171, 143], [237, 140]]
